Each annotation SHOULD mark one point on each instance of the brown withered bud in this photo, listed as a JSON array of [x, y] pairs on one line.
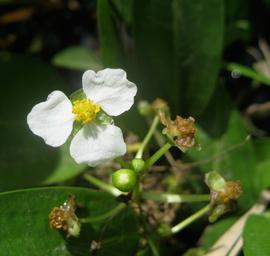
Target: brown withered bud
[[232, 191], [182, 131], [223, 194], [160, 105], [64, 217]]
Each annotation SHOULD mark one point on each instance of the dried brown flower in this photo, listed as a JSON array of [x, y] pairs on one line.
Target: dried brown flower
[[223, 194], [182, 131], [232, 192], [64, 217]]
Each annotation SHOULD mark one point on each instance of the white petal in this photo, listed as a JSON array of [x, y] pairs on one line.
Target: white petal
[[52, 119], [95, 144], [110, 89]]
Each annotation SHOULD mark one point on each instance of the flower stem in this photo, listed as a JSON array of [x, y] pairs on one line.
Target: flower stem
[[147, 137], [190, 219], [102, 185], [104, 216], [173, 198], [158, 155]]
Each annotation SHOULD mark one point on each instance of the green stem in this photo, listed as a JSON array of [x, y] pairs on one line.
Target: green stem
[[147, 137], [106, 215], [153, 247], [158, 155], [102, 185], [173, 198], [190, 219]]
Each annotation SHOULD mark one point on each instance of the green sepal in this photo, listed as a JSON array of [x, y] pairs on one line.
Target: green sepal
[[77, 95], [215, 181], [103, 119]]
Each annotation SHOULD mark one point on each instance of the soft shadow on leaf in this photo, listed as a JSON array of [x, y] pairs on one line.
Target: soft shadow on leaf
[[214, 231], [25, 160], [24, 222], [232, 156]]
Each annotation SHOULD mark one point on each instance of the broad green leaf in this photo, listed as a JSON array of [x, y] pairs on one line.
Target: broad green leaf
[[214, 231], [262, 177], [256, 236], [262, 150], [153, 40], [248, 72], [25, 228], [25, 160], [198, 28], [79, 58], [230, 155]]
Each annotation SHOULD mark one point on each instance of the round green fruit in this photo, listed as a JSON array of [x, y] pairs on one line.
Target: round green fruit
[[124, 179]]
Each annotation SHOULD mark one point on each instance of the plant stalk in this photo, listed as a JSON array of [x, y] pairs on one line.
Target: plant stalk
[[175, 229], [102, 185], [173, 198], [147, 137], [158, 155]]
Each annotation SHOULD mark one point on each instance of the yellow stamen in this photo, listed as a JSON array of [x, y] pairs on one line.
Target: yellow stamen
[[85, 110]]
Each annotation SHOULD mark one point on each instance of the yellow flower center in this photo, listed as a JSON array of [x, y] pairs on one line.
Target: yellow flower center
[[85, 110]]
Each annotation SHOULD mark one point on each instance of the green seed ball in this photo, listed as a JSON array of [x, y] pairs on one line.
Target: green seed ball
[[124, 179], [137, 165]]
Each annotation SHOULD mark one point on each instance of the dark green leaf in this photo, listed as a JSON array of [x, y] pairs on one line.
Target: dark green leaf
[[198, 41], [25, 160], [124, 8], [25, 228], [110, 45]]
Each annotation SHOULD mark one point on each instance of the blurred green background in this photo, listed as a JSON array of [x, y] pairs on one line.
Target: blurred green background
[[209, 59]]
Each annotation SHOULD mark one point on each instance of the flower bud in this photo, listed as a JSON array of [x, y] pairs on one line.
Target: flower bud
[[144, 108], [138, 165], [124, 180]]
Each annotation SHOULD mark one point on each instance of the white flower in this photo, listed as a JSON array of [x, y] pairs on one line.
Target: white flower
[[107, 90]]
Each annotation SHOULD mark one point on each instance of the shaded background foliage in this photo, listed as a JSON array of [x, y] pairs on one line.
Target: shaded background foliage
[[207, 58]]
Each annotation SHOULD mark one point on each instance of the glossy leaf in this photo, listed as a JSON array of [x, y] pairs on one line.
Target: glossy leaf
[[256, 236], [198, 28], [25, 228]]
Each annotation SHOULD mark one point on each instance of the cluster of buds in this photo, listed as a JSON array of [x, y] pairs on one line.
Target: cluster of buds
[[223, 194], [64, 217]]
